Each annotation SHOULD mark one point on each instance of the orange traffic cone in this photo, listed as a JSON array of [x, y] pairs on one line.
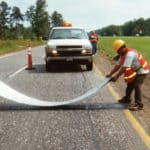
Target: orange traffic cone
[[29, 57]]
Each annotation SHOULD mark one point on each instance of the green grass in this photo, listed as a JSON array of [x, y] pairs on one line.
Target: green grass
[[142, 44], [7, 46]]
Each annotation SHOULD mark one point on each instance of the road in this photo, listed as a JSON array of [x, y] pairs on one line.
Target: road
[[98, 123]]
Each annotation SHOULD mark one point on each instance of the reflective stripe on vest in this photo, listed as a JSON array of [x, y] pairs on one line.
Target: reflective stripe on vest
[[129, 75], [94, 37], [143, 62], [94, 40]]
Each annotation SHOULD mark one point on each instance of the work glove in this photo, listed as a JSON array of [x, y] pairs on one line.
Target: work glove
[[114, 78], [108, 76]]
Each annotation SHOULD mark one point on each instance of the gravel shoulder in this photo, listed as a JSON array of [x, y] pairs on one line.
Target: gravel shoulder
[[105, 64]]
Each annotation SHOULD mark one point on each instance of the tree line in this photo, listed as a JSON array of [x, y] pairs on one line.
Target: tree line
[[13, 21], [136, 27]]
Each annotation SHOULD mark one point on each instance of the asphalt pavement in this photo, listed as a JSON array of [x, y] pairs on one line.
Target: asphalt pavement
[[96, 123]]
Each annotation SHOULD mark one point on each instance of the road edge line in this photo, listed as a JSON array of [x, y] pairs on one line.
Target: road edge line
[[136, 125], [16, 72]]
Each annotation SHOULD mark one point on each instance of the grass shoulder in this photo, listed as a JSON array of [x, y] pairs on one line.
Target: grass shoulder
[[7, 46], [139, 43]]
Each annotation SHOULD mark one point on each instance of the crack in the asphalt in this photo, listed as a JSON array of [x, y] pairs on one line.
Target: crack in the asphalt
[[96, 143], [94, 136], [84, 82]]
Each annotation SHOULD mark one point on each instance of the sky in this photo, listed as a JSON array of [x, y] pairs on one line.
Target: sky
[[92, 14]]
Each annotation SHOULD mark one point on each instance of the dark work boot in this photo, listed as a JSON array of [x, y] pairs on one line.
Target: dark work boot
[[136, 107], [124, 100]]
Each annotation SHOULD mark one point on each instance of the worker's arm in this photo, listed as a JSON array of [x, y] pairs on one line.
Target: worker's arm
[[121, 71], [115, 69]]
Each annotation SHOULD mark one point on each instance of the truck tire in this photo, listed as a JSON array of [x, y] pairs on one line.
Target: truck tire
[[89, 66], [47, 66]]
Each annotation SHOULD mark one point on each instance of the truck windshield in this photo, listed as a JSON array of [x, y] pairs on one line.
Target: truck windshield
[[68, 34]]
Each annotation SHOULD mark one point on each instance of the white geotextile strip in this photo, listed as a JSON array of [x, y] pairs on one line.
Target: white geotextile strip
[[13, 95]]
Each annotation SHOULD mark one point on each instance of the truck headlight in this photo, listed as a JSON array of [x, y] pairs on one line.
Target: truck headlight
[[83, 51], [54, 51]]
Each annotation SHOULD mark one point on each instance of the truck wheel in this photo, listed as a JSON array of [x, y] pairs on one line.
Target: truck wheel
[[47, 66], [89, 66]]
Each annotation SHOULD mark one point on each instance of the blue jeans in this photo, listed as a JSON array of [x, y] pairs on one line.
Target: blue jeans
[[94, 46]]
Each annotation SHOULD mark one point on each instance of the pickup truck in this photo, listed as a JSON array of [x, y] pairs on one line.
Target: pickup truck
[[68, 44]]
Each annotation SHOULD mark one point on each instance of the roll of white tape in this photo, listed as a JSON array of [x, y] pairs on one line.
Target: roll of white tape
[[13, 95]]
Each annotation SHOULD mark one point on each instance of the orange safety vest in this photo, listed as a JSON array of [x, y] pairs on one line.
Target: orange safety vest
[[130, 73], [94, 38]]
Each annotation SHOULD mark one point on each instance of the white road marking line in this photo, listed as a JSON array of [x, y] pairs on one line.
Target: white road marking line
[[11, 54], [8, 55], [18, 71]]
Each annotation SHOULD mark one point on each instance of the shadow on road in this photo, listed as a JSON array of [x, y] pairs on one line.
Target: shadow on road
[[97, 106], [57, 68]]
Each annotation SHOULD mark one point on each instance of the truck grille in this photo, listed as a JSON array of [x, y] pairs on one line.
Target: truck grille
[[69, 53], [68, 46], [69, 50]]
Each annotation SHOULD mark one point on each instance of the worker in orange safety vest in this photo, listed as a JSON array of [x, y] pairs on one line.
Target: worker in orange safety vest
[[94, 40], [135, 68]]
